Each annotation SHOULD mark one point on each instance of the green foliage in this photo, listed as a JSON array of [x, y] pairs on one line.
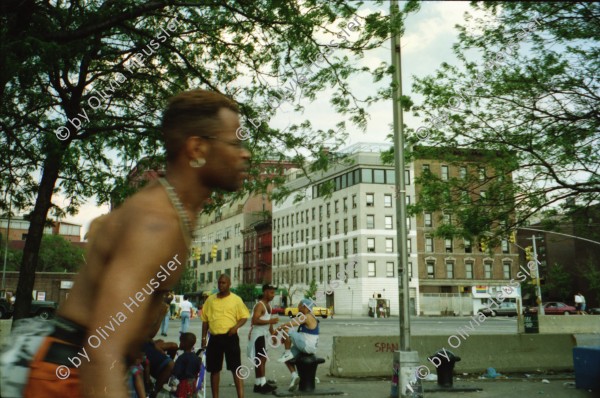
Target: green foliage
[[312, 290], [246, 291], [13, 258], [77, 112], [58, 255], [532, 115], [187, 283], [559, 283], [591, 273]]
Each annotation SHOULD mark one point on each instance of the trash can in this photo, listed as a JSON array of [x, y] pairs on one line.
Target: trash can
[[445, 369], [531, 322]]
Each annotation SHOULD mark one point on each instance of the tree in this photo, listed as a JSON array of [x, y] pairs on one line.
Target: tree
[[82, 85], [531, 114], [59, 255], [591, 273], [247, 292], [187, 283], [312, 290], [559, 283]]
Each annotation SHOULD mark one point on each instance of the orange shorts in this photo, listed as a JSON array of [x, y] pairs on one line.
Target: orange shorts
[[52, 380]]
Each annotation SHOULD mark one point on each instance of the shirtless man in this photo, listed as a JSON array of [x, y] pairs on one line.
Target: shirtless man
[[137, 253]]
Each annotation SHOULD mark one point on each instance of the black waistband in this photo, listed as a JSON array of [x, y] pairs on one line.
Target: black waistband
[[68, 331]]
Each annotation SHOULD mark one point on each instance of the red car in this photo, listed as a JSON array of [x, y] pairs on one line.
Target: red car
[[555, 308], [278, 310]]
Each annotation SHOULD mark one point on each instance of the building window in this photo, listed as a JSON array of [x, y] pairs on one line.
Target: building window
[[468, 247], [328, 250], [387, 200], [450, 270], [337, 249], [506, 270], [345, 248], [487, 270], [354, 204], [447, 218], [445, 174], [409, 245], [429, 244], [407, 199], [430, 269], [370, 221], [425, 167], [335, 206], [370, 200], [463, 172], [448, 243], [428, 220], [367, 175], [320, 212], [389, 245], [345, 225], [389, 222], [337, 227], [469, 270], [481, 172], [379, 176], [371, 245], [321, 274], [228, 253], [345, 204], [328, 229], [505, 248], [354, 223], [406, 177], [410, 271], [328, 209], [371, 269], [389, 270], [313, 213], [355, 245]]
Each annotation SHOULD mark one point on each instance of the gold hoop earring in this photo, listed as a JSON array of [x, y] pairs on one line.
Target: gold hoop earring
[[197, 163]]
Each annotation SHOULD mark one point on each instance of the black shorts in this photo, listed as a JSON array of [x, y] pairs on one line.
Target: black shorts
[[219, 345], [260, 346]]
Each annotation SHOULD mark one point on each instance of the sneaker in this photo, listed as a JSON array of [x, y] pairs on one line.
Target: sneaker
[[286, 357], [294, 383], [265, 389]]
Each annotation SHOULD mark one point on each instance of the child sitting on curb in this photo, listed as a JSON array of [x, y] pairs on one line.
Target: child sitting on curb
[[304, 340]]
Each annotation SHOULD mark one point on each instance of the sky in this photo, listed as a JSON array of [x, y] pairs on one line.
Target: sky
[[427, 42]]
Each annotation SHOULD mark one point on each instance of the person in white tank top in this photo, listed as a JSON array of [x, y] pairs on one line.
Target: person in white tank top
[[260, 331]]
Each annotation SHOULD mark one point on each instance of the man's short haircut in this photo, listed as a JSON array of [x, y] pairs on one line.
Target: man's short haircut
[[192, 113], [267, 287]]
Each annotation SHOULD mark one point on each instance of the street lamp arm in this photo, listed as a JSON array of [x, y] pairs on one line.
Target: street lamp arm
[[560, 233]]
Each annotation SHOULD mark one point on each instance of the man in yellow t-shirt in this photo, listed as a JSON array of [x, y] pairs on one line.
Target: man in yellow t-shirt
[[223, 314]]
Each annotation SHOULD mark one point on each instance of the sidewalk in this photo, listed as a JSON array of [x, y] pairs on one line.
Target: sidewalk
[[379, 388]]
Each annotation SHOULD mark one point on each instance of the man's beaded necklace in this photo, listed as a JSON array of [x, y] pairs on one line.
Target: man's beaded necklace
[[184, 220]]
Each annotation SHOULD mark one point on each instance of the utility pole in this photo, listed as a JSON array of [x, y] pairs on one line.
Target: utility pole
[[538, 289], [405, 361]]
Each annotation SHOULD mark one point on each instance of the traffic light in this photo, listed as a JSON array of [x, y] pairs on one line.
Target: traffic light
[[529, 253], [213, 252], [196, 251], [513, 237], [483, 245]]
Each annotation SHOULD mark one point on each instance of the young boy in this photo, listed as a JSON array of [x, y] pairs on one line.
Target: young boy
[[187, 367], [304, 340]]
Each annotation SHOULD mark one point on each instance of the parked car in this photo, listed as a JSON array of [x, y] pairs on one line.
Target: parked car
[[43, 309], [317, 311], [555, 308], [504, 309], [278, 310]]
